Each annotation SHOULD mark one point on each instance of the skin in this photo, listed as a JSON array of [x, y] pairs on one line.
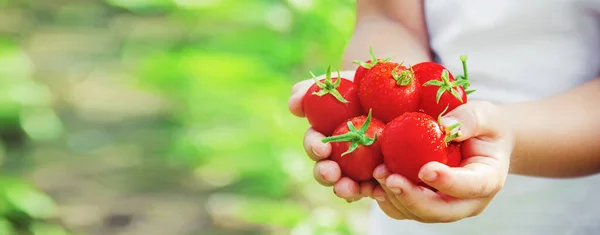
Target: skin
[[529, 137]]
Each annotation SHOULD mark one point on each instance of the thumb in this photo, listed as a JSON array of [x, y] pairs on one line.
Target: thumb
[[476, 118]]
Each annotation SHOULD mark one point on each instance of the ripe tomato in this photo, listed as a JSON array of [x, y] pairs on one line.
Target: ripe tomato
[[389, 89], [355, 147], [412, 140], [364, 67], [439, 89], [329, 102], [454, 154]]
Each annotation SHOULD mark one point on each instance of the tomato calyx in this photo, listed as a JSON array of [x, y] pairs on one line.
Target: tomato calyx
[[446, 85], [463, 80], [329, 87], [356, 137], [405, 77], [374, 61], [450, 132]]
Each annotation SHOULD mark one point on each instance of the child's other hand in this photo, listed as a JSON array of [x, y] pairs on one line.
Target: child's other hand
[[463, 191], [327, 172]]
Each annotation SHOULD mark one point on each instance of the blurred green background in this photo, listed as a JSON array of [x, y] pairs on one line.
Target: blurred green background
[[164, 117]]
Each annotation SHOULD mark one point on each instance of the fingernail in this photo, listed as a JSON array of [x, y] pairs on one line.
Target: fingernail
[[449, 122], [322, 170], [381, 199], [429, 176], [316, 154], [348, 188], [396, 191], [378, 172]]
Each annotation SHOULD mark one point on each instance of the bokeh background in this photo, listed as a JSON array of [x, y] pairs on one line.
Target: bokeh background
[[164, 117]]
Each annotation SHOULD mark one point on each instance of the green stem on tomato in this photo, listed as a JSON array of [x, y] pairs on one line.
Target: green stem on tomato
[[329, 87], [445, 85], [404, 78], [449, 136], [463, 80], [356, 137], [374, 60]]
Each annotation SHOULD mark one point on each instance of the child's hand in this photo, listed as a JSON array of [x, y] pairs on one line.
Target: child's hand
[[327, 172], [464, 191]]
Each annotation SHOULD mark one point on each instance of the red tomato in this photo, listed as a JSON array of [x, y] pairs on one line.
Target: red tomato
[[454, 154], [361, 71], [439, 89], [329, 102], [364, 67], [412, 140], [389, 89], [355, 147]]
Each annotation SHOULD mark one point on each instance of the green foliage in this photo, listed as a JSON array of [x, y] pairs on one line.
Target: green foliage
[[25, 106], [22, 99], [229, 76], [47, 229], [226, 68], [23, 198], [6, 227], [25, 209], [142, 6]]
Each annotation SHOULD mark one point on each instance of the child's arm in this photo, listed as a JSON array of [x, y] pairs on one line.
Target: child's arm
[[393, 28], [557, 136]]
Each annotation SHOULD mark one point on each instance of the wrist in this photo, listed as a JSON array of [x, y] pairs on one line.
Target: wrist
[[512, 118]]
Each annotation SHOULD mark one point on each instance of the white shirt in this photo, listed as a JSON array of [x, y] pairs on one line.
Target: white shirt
[[519, 50]]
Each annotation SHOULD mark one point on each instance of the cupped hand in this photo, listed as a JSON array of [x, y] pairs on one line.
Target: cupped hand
[[327, 172], [465, 191]]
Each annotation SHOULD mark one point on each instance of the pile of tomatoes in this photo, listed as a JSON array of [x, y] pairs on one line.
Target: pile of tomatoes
[[389, 114]]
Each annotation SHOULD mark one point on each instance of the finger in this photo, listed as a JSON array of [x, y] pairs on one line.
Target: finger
[[379, 194], [499, 150], [428, 206], [327, 172], [302, 86], [388, 208], [313, 146], [477, 179], [295, 100], [381, 173], [347, 189], [295, 104], [477, 119], [425, 185], [366, 188]]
